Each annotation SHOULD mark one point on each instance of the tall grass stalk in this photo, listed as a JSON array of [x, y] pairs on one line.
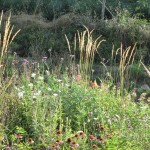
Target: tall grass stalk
[[146, 69], [126, 59], [5, 42], [87, 47]]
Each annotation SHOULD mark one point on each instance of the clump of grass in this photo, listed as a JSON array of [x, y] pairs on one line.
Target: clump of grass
[[5, 42], [122, 75], [126, 59], [87, 47]]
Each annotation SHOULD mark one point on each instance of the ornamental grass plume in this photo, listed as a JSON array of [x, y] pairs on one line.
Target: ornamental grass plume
[[87, 49]]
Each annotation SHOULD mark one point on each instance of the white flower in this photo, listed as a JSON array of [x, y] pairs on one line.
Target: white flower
[[67, 85], [55, 94], [95, 118], [59, 80], [22, 87], [88, 120], [40, 78], [34, 97], [30, 85], [17, 88], [33, 75], [49, 89], [47, 72], [20, 94], [38, 93]]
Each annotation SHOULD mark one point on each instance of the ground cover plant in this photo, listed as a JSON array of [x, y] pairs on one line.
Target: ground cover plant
[[62, 108]]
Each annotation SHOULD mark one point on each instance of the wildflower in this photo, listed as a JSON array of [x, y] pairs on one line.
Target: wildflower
[[112, 131], [8, 147], [55, 147], [59, 142], [90, 114], [95, 118], [30, 85], [47, 72], [46, 94], [33, 75], [40, 78], [100, 127], [94, 84], [101, 140], [69, 140], [30, 141], [38, 93], [34, 97], [49, 89], [81, 134], [19, 136], [67, 85], [44, 58], [59, 80], [20, 94], [94, 146], [92, 137], [78, 77], [77, 136], [74, 144], [109, 135], [55, 94], [49, 50], [62, 59], [59, 132]]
